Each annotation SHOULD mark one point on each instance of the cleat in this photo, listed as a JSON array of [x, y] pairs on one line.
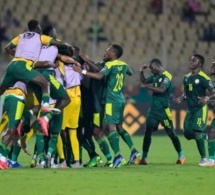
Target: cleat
[[4, 165], [62, 165], [19, 127], [77, 165], [1, 167], [207, 164], [45, 125], [24, 146], [94, 162], [33, 163], [109, 164], [14, 165], [54, 166], [134, 155], [47, 161], [118, 161], [40, 165], [49, 109], [181, 160], [142, 161], [202, 162]]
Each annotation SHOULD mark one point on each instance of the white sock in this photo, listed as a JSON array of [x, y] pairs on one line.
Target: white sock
[[3, 159], [52, 161], [45, 105], [35, 157]]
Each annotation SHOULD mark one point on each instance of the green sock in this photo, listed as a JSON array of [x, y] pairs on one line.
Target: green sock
[[200, 145], [16, 151], [40, 145], [4, 149], [113, 138], [104, 148], [52, 143], [177, 144], [146, 145], [211, 149], [50, 115], [46, 97], [126, 138]]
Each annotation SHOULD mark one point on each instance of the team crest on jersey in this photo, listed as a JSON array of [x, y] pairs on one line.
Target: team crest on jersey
[[211, 84], [28, 35], [160, 80], [197, 81], [166, 80]]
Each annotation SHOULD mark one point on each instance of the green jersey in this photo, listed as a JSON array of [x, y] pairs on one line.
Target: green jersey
[[195, 86], [115, 72], [160, 100]]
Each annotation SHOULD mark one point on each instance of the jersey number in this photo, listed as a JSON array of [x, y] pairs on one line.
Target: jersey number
[[190, 87], [119, 82]]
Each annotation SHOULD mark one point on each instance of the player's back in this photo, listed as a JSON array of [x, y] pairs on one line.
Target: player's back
[[28, 46]]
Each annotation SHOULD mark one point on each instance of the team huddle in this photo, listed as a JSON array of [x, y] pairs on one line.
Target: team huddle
[[56, 92]]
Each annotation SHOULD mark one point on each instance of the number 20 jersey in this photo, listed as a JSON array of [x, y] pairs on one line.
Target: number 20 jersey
[[115, 72]]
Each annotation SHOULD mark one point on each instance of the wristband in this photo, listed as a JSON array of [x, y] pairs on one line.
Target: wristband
[[84, 72], [141, 69], [206, 98]]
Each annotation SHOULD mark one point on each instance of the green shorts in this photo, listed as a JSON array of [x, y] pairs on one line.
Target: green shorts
[[196, 120], [114, 113], [156, 117], [14, 107], [56, 89], [18, 71]]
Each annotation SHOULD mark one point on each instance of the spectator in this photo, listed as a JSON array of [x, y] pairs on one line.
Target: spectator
[[213, 3], [7, 21], [194, 5], [188, 15], [95, 31], [209, 33], [156, 6]]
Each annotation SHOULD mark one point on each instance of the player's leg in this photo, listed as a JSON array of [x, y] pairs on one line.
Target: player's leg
[[58, 93], [211, 144], [199, 121], [113, 118], [151, 126], [55, 128], [168, 125], [99, 136], [4, 122], [14, 107]]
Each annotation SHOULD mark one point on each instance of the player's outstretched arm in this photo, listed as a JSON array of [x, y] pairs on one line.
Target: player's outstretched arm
[[89, 62], [68, 60]]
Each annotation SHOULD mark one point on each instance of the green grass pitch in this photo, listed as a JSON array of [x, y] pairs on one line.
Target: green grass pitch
[[161, 176]]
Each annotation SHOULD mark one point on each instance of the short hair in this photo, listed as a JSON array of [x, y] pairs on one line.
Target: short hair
[[156, 61], [32, 24], [118, 50], [47, 30], [201, 58]]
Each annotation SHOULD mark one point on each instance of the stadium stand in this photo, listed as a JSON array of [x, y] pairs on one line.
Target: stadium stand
[[128, 23]]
